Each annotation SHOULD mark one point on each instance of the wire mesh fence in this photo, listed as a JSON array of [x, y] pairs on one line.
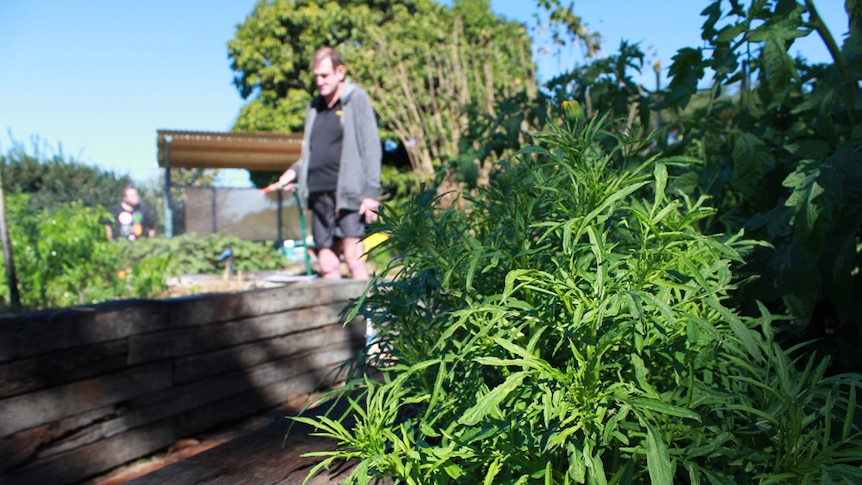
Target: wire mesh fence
[[245, 213]]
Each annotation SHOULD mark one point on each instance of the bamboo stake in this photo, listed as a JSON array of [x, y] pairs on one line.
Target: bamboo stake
[[11, 275]]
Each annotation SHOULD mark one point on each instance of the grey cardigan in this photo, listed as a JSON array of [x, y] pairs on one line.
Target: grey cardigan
[[359, 172]]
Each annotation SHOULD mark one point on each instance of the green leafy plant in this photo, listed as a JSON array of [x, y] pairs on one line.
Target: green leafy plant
[[190, 254], [63, 258], [782, 158], [571, 326]]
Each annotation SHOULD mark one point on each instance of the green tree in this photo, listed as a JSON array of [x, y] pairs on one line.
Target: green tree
[[54, 179], [422, 72], [272, 50], [424, 65]]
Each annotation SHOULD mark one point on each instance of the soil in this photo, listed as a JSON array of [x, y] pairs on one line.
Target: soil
[[187, 285]]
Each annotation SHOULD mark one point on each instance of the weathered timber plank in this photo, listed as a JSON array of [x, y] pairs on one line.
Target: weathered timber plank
[[244, 405], [47, 331], [192, 410], [87, 341], [176, 400], [188, 471], [56, 368], [36, 333], [199, 309], [89, 460], [28, 410], [197, 367], [263, 456], [205, 338], [44, 439]]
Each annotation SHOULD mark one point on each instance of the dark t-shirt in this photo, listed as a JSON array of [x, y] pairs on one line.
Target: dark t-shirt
[[325, 148], [131, 224]]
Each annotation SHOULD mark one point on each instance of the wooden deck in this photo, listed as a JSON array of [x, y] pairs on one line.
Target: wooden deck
[[261, 457]]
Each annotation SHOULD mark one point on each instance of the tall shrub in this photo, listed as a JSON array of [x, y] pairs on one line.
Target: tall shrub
[[783, 158], [571, 326], [54, 179], [63, 258]]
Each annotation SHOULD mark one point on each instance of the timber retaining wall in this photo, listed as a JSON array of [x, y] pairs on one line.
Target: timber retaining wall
[[84, 390]]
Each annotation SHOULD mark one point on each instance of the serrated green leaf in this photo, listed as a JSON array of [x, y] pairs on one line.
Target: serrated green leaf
[[664, 408], [658, 461], [490, 401], [751, 160]]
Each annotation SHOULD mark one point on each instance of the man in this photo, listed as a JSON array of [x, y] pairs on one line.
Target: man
[[339, 168], [131, 219]]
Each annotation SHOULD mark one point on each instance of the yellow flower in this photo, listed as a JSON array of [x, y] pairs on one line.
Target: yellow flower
[[121, 275], [373, 240], [573, 110]]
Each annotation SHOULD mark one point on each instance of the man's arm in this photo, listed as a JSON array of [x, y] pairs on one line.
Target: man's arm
[[149, 221], [370, 149], [289, 178]]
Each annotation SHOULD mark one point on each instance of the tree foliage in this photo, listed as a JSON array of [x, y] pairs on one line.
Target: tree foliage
[[272, 50], [54, 179], [432, 72], [424, 72]]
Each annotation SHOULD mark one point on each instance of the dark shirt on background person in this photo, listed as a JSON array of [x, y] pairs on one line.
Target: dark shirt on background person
[[130, 218]]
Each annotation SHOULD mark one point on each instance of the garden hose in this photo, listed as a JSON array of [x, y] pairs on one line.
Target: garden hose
[[304, 237], [278, 186]]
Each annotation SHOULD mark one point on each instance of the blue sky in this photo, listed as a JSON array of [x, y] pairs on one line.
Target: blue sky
[[97, 78]]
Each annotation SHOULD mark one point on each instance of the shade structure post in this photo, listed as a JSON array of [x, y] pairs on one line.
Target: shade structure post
[[169, 214]]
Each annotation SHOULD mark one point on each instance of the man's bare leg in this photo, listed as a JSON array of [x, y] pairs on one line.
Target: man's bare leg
[[330, 263], [353, 251]]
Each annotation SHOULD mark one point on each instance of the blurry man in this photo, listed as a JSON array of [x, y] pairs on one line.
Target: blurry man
[[131, 218], [339, 169]]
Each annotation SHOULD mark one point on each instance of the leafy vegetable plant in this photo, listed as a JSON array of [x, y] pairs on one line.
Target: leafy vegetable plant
[[572, 325], [63, 258]]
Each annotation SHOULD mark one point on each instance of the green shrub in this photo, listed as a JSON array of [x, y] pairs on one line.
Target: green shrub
[[63, 258], [190, 254], [571, 326], [54, 179]]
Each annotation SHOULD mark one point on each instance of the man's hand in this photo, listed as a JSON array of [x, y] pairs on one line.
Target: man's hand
[[368, 208], [286, 180]]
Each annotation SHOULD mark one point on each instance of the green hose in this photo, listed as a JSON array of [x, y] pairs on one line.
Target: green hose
[[304, 237]]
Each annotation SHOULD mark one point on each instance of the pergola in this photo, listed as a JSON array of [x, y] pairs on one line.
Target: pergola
[[200, 149]]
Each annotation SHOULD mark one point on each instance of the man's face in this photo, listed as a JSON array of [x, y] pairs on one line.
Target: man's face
[[131, 197], [327, 78]]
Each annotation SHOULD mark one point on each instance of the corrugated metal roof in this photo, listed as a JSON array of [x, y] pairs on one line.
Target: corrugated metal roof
[[248, 150]]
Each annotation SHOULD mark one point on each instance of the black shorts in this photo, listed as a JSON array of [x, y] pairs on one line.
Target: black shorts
[[326, 227]]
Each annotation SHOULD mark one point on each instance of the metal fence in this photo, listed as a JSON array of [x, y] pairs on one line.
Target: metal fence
[[245, 213]]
